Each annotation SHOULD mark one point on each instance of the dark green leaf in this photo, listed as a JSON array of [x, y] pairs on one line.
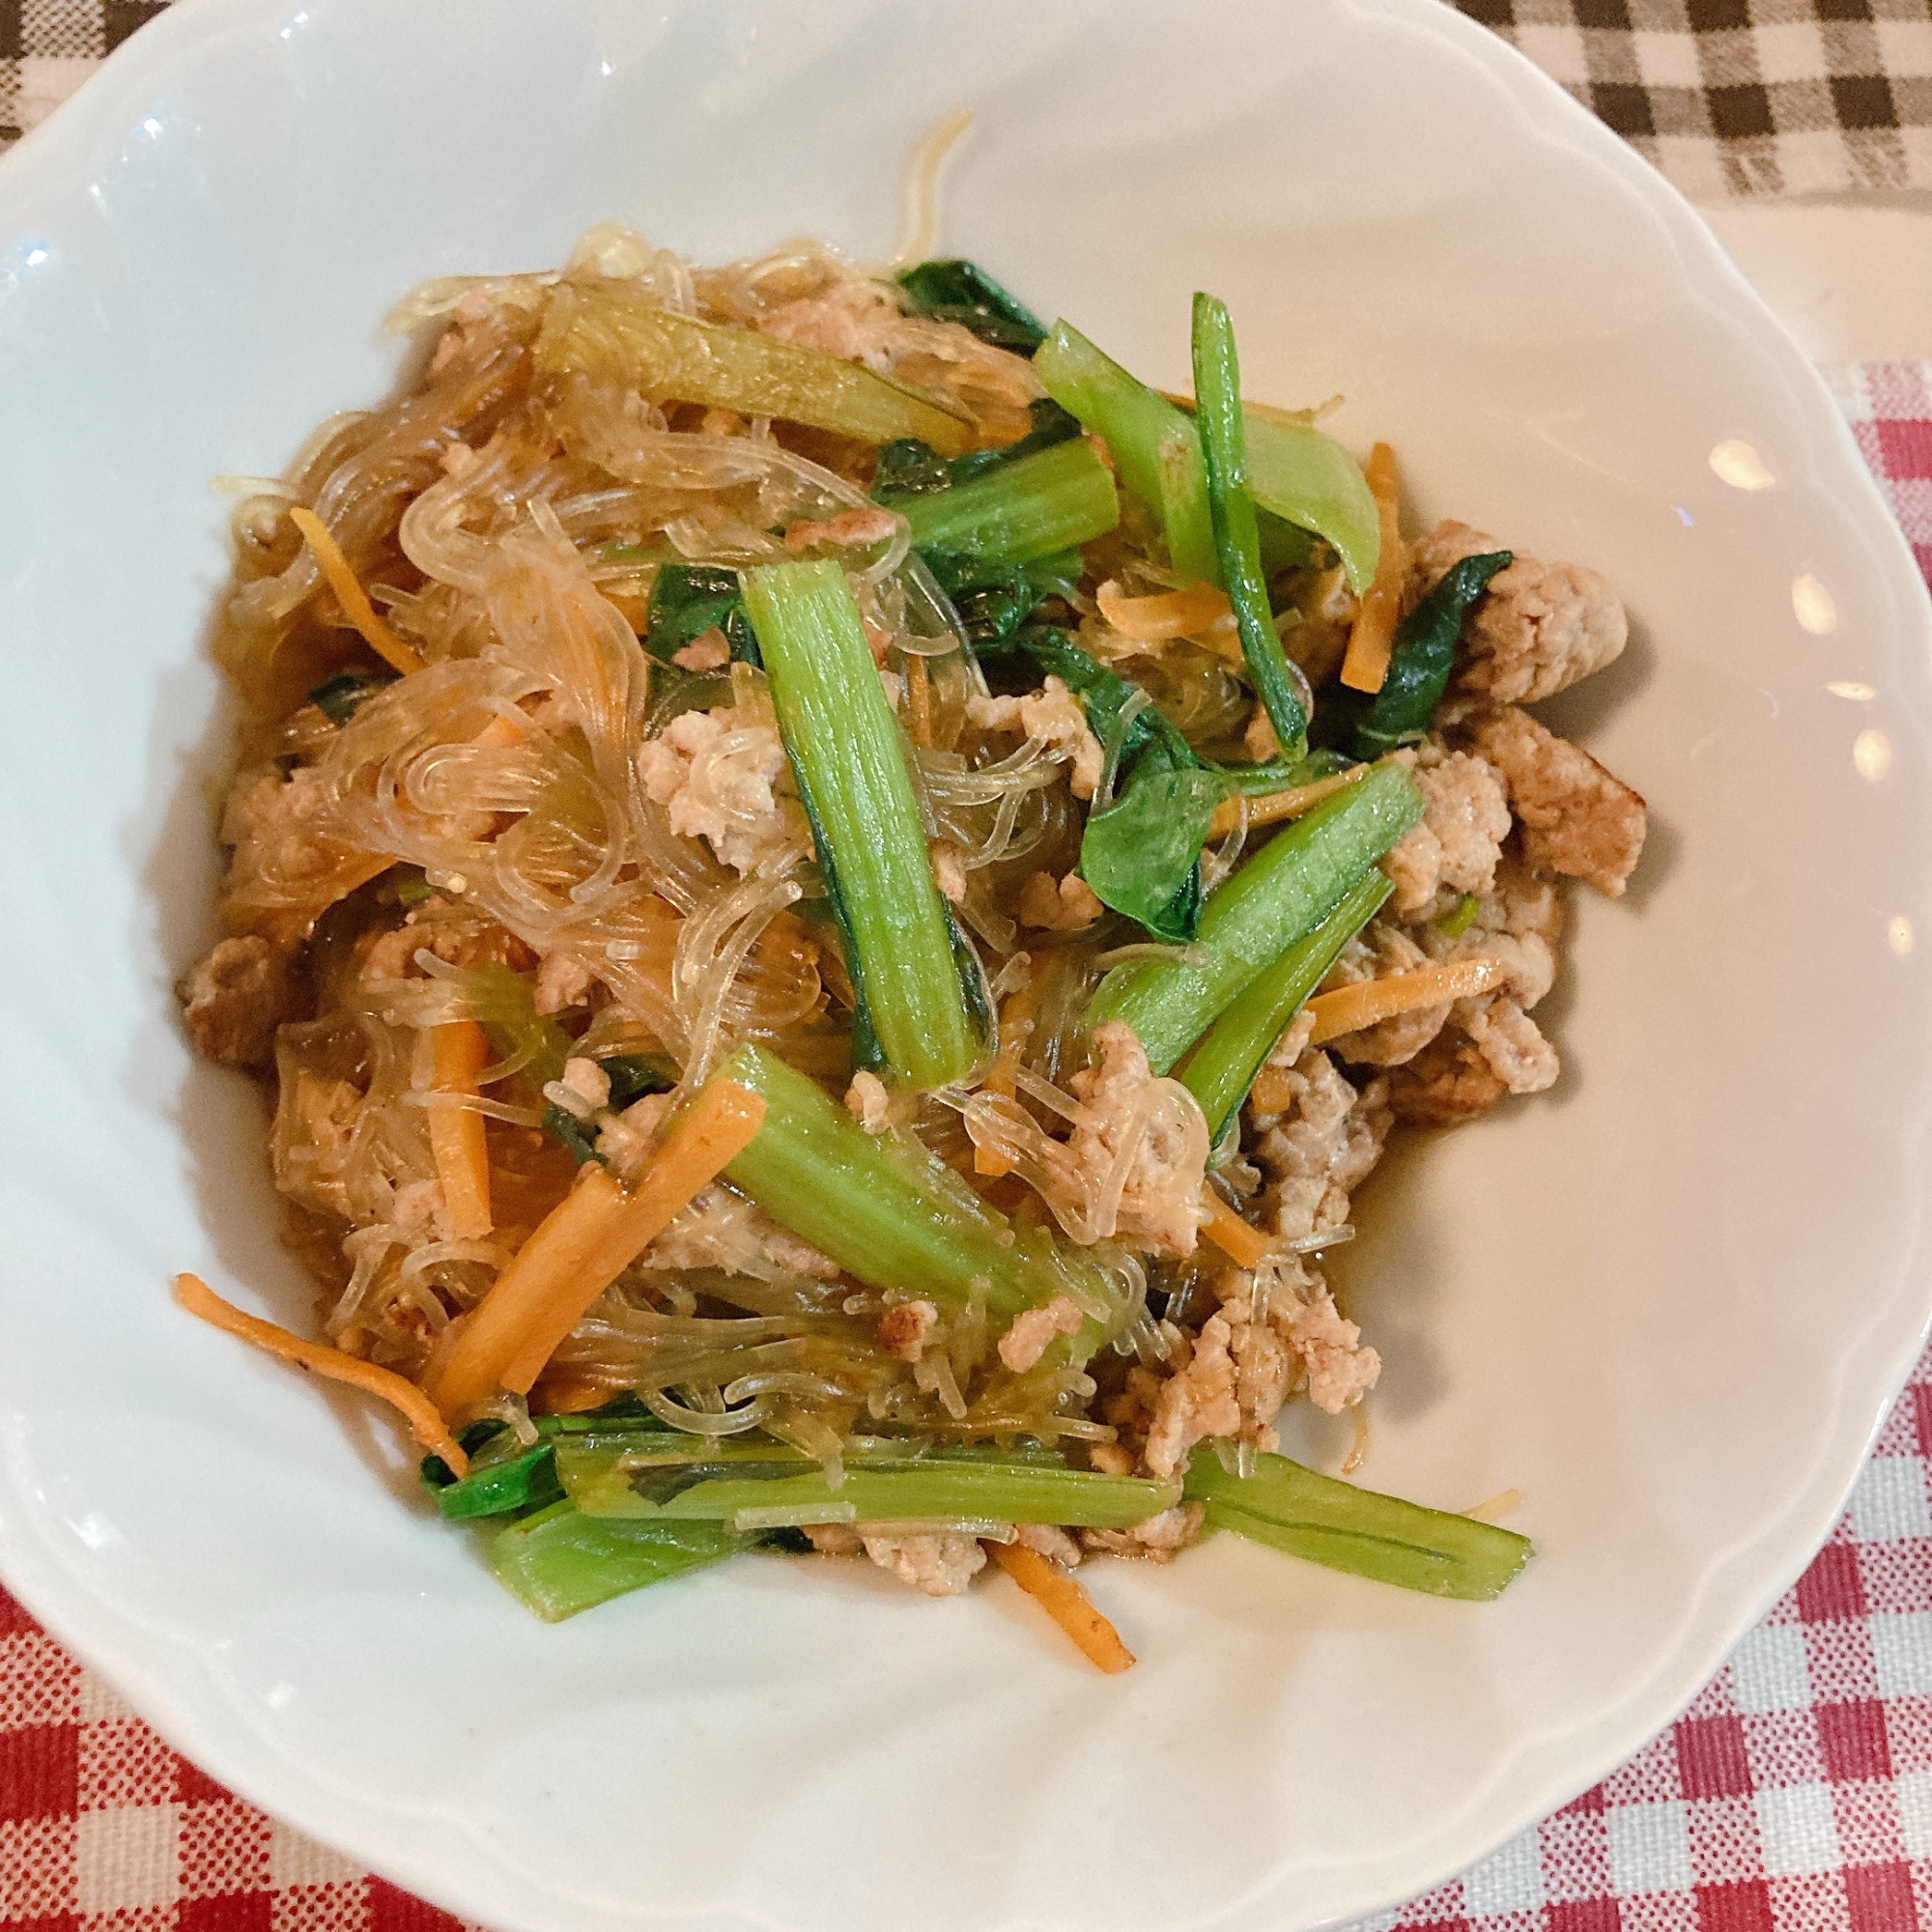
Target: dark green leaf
[[633, 1075], [962, 292], [1143, 854], [336, 698], [526, 1479], [1423, 654], [570, 1131], [687, 599], [909, 468]]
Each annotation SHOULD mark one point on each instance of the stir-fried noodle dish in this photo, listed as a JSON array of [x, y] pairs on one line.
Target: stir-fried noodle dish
[[835, 895]]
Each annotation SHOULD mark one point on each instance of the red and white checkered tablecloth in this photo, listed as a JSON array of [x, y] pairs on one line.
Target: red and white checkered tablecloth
[[1795, 1795]]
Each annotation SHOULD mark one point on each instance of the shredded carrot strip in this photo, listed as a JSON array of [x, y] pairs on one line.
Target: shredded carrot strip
[[458, 1053], [1269, 808], [1504, 1502], [1242, 1244], [1065, 1603], [568, 1397], [350, 594], [1273, 1093], [918, 699], [1369, 1001], [1157, 619], [583, 1244], [501, 730], [426, 1425], [1016, 1021], [1366, 662]]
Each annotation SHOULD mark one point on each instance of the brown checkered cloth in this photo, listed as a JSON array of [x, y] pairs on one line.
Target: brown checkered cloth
[[1727, 97], [1746, 97]]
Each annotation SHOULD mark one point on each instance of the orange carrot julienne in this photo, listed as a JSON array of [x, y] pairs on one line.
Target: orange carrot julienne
[[918, 699], [426, 1424], [583, 1244], [1164, 617], [1273, 1092], [350, 594], [1016, 1023], [1062, 1598], [459, 1051], [1366, 664], [1269, 808], [1351, 1007], [568, 1397], [1244, 1245], [501, 730]]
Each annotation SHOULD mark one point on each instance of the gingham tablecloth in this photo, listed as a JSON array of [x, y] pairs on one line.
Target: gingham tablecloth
[[1727, 97], [1795, 1795]]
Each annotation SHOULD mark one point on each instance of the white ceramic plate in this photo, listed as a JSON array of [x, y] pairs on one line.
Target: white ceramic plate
[[1670, 1300]]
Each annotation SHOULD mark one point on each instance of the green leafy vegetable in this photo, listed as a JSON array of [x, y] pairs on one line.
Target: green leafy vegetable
[[611, 1476], [1358, 1530], [1217, 384], [1141, 853], [1421, 655], [689, 599], [336, 698], [964, 292], [1154, 445], [506, 1005], [1014, 512], [909, 468], [918, 986], [1309, 481], [1142, 856], [618, 331], [1299, 478], [633, 1075], [559, 1561], [1460, 916], [891, 1213], [503, 1477], [1284, 892], [1222, 1067], [992, 601]]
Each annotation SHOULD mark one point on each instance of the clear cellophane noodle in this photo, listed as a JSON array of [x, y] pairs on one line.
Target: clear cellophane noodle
[[508, 526]]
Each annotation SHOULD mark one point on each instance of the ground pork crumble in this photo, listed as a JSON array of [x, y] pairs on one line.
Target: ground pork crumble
[[717, 773], [1053, 715]]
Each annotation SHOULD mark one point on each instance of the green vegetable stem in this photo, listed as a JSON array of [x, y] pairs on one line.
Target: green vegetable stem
[[1222, 1067], [1154, 445], [1019, 511], [1217, 385], [921, 1009], [892, 1214], [621, 1475], [1358, 1530], [560, 1561], [1279, 895]]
